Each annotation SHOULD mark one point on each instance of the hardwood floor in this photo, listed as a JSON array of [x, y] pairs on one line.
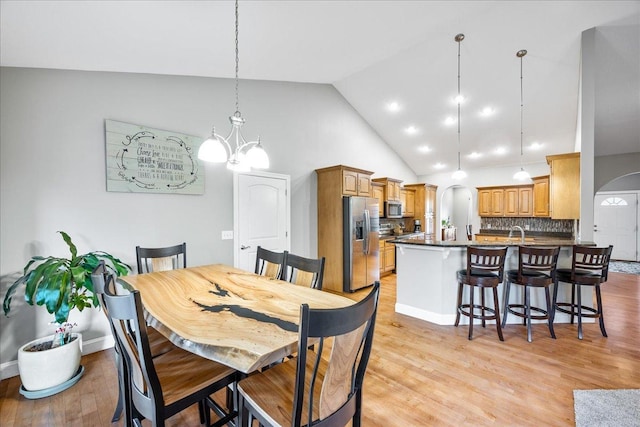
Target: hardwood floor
[[424, 374]]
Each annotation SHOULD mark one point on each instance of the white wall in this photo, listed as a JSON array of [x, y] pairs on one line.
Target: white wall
[[52, 168]]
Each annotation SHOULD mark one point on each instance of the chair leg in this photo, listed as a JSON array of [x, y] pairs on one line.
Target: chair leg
[[459, 304], [482, 303], [579, 306], [549, 311], [117, 413], [527, 311], [573, 299], [599, 309], [471, 310], [497, 310], [505, 313], [243, 412]]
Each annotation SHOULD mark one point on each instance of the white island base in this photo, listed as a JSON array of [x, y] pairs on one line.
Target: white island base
[[427, 286]]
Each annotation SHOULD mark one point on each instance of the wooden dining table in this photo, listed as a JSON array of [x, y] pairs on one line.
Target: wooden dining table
[[234, 317]]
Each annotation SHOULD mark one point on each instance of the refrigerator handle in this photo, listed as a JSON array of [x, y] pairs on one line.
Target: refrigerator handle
[[367, 230]]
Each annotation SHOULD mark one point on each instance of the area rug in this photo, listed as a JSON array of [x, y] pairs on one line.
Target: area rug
[[624, 267], [607, 408]]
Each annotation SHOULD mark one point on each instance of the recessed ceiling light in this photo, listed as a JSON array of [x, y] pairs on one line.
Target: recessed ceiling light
[[500, 151], [449, 121], [439, 165], [474, 155], [411, 130], [535, 146], [424, 149], [487, 111], [393, 107]]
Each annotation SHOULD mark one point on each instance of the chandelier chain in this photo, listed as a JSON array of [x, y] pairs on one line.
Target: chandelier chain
[[237, 65]]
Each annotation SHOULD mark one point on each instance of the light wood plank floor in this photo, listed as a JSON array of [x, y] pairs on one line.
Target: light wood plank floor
[[424, 374]]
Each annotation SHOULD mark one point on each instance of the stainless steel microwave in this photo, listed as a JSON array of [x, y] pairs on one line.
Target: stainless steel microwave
[[392, 210]]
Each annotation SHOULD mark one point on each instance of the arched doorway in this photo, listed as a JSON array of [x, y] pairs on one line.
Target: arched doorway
[[456, 209]]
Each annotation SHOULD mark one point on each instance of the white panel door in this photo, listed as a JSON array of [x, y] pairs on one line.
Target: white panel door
[[615, 223], [261, 215]]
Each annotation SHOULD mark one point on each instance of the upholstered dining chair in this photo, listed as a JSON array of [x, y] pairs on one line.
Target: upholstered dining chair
[[161, 259], [157, 388], [321, 387], [269, 263], [536, 269], [485, 270], [303, 271], [589, 267]]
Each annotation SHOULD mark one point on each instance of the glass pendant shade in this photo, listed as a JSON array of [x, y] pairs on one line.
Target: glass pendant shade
[[257, 157], [459, 174], [212, 150], [522, 175]]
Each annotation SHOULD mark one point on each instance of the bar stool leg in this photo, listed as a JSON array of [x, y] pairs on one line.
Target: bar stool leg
[[579, 306], [599, 308], [527, 311], [459, 305], [573, 299], [482, 303], [550, 312], [497, 310], [505, 313], [471, 310]]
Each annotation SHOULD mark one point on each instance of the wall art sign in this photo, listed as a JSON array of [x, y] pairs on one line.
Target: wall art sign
[[147, 160]]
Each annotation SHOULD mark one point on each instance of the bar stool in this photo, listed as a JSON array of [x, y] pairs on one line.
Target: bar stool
[[589, 267], [485, 270], [536, 269]]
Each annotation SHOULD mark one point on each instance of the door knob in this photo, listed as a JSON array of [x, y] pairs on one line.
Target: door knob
[[243, 247]]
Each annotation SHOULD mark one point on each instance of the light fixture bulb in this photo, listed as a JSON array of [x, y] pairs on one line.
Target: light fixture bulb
[[257, 157], [212, 150]]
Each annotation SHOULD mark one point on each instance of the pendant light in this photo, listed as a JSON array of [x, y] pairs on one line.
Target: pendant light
[[239, 154], [521, 175], [459, 174]]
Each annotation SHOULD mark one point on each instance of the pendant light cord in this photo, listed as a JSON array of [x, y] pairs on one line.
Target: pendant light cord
[[520, 54], [459, 39]]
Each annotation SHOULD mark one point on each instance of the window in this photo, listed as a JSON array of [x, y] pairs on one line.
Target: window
[[614, 201]]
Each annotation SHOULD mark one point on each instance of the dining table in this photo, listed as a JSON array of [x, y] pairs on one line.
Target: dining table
[[234, 317]]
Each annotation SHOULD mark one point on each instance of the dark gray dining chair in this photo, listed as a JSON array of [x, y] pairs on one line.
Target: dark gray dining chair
[[161, 259], [270, 263], [304, 271]]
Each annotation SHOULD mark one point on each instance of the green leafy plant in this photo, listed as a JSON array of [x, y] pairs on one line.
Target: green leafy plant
[[62, 284]]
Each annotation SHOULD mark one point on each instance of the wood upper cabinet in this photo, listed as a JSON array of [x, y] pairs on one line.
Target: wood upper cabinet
[[564, 188], [356, 182], [377, 191], [408, 200], [424, 205], [541, 195], [391, 188], [509, 201]]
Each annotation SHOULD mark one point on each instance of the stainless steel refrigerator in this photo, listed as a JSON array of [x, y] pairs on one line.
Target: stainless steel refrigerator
[[360, 242]]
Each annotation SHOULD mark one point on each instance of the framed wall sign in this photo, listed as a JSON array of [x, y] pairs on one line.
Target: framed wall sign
[[147, 160]]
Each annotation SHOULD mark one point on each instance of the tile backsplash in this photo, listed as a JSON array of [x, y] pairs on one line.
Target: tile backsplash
[[547, 225]]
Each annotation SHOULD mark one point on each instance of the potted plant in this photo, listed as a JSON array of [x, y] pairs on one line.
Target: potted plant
[[61, 285]]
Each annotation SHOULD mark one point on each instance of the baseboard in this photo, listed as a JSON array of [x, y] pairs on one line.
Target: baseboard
[[10, 369]]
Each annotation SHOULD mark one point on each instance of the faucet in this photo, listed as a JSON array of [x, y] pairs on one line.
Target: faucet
[[517, 227]]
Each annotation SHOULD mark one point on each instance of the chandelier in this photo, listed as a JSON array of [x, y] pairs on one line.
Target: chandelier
[[521, 175], [239, 154], [459, 174]]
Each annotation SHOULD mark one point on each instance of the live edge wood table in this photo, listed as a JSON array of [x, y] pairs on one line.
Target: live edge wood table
[[234, 317]]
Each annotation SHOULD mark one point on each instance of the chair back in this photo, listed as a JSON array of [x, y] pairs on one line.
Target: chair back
[[486, 261], [347, 333], [303, 271], [590, 262], [269, 263], [161, 259], [536, 259], [126, 317]]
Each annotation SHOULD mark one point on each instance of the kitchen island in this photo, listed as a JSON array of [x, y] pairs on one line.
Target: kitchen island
[[426, 277]]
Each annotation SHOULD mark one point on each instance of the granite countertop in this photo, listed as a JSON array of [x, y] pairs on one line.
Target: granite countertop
[[404, 235], [420, 241]]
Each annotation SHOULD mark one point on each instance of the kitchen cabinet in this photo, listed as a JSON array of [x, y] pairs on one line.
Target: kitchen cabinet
[[541, 196], [510, 201], [333, 183], [564, 186], [408, 200], [387, 257], [424, 206], [391, 188], [377, 191]]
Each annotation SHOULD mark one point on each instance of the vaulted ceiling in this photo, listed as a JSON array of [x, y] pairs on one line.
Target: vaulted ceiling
[[374, 53]]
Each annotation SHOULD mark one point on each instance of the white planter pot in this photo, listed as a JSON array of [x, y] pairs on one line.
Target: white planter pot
[[41, 370]]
